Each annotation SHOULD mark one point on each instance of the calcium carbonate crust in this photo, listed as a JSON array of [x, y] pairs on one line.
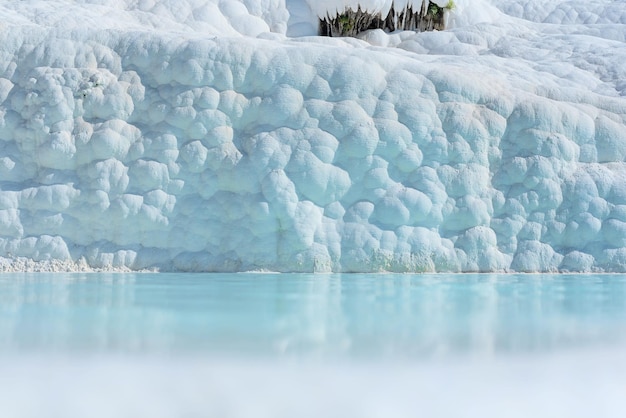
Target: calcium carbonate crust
[[490, 147]]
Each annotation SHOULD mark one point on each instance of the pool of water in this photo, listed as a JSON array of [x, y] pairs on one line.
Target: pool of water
[[285, 345], [302, 316]]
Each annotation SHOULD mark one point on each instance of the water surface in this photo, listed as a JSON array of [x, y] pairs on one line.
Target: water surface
[[310, 316]]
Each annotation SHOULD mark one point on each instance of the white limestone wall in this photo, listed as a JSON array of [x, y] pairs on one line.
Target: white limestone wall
[[491, 147]]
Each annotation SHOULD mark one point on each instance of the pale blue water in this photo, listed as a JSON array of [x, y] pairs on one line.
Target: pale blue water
[[310, 316]]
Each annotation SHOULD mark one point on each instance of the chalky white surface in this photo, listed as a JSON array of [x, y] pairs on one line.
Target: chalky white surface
[[224, 136]]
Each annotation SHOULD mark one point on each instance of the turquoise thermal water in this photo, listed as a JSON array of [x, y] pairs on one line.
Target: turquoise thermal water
[[310, 316]]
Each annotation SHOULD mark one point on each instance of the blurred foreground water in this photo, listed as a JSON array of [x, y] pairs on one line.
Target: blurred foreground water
[[285, 345]]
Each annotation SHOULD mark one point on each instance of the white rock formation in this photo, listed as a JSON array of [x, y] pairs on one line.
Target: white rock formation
[[200, 135]]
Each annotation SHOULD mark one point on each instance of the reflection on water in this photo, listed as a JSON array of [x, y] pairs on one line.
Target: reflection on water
[[327, 316]]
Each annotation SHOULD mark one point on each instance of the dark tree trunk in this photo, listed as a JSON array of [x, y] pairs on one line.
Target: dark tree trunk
[[350, 23]]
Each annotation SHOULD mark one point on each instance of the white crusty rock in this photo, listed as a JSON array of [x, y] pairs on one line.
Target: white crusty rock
[[206, 135]]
